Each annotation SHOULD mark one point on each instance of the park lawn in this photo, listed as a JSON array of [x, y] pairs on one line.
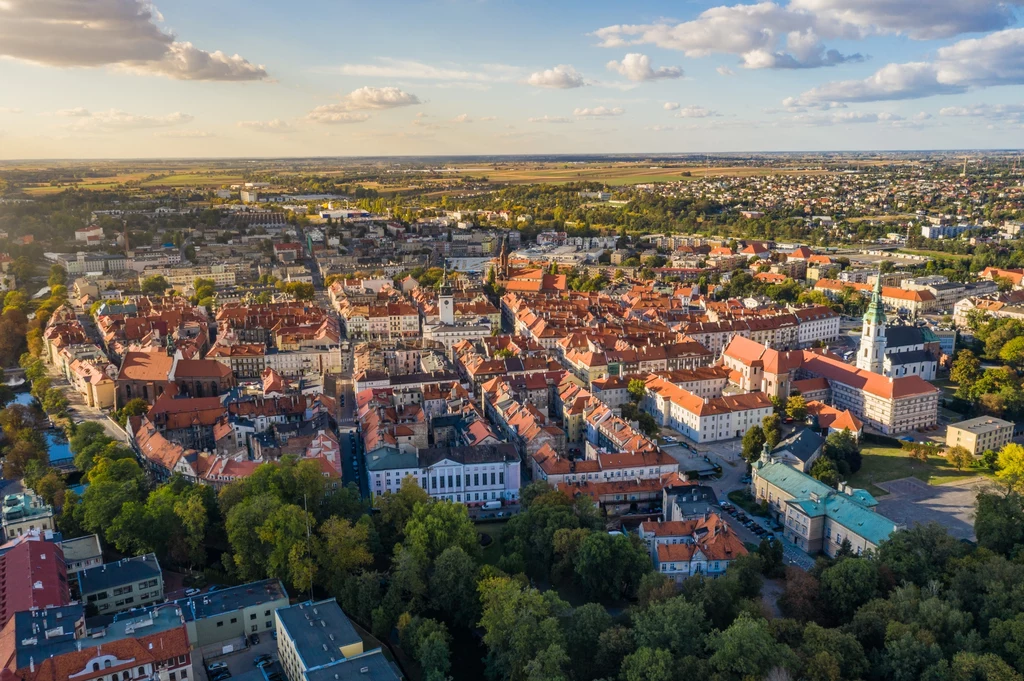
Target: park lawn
[[492, 553], [882, 463]]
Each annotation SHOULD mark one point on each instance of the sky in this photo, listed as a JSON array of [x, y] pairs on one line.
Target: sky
[[267, 78]]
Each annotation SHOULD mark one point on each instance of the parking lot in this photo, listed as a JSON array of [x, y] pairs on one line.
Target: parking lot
[[912, 502], [241, 663]]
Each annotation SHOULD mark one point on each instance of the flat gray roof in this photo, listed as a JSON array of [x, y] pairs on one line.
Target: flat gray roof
[[982, 424], [319, 630], [231, 599], [124, 571]]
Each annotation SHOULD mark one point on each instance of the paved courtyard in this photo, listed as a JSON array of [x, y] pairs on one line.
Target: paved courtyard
[[911, 502]]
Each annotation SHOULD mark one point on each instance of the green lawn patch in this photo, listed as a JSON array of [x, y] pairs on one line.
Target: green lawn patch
[[884, 463], [934, 254], [492, 552]]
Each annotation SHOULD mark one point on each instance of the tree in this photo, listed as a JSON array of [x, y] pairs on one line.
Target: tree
[[959, 457], [436, 526], [344, 548], [753, 443], [155, 285], [453, 587], [518, 623], [1010, 467], [582, 638], [771, 425], [844, 450], [637, 389], [746, 649], [648, 664], [58, 277], [54, 402], [133, 407], [676, 625], [999, 523], [796, 408], [1013, 352], [300, 290], [611, 566], [847, 585], [965, 372]]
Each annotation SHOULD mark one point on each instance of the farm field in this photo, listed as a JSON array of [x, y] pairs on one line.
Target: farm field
[[624, 174]]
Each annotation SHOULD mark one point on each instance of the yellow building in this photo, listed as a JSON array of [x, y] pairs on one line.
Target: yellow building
[[980, 434]]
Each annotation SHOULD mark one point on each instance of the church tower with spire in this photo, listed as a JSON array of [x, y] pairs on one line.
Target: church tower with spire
[[871, 356], [446, 301], [503, 260]]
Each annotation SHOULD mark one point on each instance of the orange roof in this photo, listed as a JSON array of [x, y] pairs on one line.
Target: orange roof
[[834, 369], [145, 366]]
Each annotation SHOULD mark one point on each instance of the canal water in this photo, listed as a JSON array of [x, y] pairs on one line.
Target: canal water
[[56, 444]]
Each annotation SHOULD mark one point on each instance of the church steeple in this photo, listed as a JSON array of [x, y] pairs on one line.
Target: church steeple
[[871, 356], [446, 301], [503, 259]]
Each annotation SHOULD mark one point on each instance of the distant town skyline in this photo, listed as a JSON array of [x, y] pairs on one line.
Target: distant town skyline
[[191, 78]]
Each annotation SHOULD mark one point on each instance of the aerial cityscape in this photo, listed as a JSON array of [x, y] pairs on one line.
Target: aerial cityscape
[[607, 342]]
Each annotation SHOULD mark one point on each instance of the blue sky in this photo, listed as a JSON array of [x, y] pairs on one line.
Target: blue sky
[[123, 78]]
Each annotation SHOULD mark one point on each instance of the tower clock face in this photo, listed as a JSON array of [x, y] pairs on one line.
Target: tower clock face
[[447, 303]]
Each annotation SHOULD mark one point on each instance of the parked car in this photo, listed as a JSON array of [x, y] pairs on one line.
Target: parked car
[[263, 659], [669, 438], [192, 592], [255, 638], [215, 587], [215, 666], [221, 675], [746, 479]]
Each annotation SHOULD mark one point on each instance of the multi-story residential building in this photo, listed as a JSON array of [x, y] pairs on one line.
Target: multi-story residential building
[[704, 419], [317, 642], [684, 548], [129, 583], [980, 434], [148, 645], [556, 470], [246, 360], [466, 475], [33, 576], [25, 512], [816, 517], [232, 613], [82, 552]]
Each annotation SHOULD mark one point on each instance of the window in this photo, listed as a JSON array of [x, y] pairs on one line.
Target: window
[[433, 482], [476, 478], [458, 481], [492, 478], [267, 625], [174, 676], [220, 624], [234, 620], [266, 613], [252, 616], [184, 673]]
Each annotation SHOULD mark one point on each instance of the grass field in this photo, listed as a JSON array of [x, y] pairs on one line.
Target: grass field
[[884, 463], [189, 179], [492, 552], [935, 254]]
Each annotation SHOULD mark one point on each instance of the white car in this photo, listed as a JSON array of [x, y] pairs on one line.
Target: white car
[[192, 592]]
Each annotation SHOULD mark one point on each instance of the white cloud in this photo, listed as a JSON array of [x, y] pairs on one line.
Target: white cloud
[[185, 134], [757, 33], [462, 118], [116, 120], [335, 114], [414, 70], [637, 68], [275, 126], [725, 71], [918, 20], [561, 77], [694, 111], [995, 59], [77, 112], [10, 110], [124, 33], [598, 111], [846, 118], [768, 34], [488, 118], [378, 98], [549, 119], [670, 106], [363, 99], [993, 112], [184, 61], [660, 128]]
